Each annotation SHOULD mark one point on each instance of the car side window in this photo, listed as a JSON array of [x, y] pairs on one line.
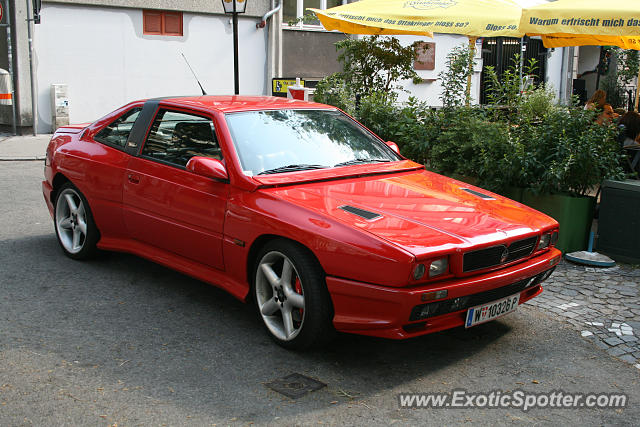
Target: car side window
[[117, 132], [176, 137]]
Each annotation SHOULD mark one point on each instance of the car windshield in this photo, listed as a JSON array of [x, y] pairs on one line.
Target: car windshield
[[292, 140]]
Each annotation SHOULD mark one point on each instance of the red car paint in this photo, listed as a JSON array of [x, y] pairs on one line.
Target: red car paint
[[209, 229]]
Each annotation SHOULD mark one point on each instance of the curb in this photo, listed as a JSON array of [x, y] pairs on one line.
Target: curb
[[21, 158]]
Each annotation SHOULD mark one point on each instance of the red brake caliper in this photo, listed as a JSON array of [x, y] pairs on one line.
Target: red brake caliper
[[298, 288]]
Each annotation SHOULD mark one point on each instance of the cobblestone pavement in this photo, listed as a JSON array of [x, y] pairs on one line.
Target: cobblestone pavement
[[602, 303]]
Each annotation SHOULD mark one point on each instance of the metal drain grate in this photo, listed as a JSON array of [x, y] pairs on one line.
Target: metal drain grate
[[295, 385]]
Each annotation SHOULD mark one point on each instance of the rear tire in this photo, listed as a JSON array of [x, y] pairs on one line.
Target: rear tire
[[291, 296], [75, 229]]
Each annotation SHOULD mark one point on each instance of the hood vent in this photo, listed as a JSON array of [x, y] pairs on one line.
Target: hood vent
[[368, 215], [476, 193]]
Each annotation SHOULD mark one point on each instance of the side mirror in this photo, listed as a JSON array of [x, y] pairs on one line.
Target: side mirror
[[206, 166], [393, 146]]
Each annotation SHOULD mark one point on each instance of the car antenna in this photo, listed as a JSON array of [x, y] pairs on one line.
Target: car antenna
[[194, 74]]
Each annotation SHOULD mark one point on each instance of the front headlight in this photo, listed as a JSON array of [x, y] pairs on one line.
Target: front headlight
[[438, 267], [545, 239]]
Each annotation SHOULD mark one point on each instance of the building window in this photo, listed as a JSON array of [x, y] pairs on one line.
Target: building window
[[293, 11], [162, 22]]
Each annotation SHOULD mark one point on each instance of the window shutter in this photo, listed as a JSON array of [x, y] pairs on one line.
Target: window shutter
[[152, 22], [173, 23]]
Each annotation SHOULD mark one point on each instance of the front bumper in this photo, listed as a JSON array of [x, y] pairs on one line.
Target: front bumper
[[366, 309], [47, 189]]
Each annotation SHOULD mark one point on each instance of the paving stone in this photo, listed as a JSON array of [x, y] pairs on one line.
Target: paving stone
[[628, 358], [625, 348], [601, 344], [606, 296], [615, 351], [570, 314], [613, 341], [569, 292]]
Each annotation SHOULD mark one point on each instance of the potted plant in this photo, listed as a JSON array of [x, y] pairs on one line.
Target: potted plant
[[559, 161]]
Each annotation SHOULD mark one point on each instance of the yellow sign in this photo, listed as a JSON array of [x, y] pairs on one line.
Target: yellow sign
[[279, 86]]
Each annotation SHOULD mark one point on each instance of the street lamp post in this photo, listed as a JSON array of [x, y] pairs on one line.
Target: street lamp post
[[235, 7]]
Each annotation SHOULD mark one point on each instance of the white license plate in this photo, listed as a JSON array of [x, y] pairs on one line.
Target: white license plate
[[492, 310]]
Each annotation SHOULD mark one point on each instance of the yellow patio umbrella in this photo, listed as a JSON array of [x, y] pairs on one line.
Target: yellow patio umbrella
[[583, 17], [585, 23], [475, 18]]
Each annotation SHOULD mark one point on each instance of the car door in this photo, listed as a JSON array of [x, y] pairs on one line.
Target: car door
[[105, 170], [168, 207]]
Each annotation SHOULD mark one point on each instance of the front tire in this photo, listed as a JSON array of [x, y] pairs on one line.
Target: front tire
[[291, 296], [75, 229]]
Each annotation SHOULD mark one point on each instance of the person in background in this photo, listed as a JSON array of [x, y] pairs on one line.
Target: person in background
[[607, 115], [597, 101], [631, 131]]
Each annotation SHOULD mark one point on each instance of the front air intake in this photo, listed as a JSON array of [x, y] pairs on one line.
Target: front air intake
[[368, 215], [477, 193]]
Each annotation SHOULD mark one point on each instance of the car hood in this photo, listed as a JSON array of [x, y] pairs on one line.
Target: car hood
[[420, 211]]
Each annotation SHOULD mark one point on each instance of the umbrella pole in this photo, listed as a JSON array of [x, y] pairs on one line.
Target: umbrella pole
[[521, 65], [637, 91], [472, 54]]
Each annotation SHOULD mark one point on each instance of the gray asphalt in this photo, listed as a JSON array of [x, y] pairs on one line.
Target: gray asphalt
[[119, 340]]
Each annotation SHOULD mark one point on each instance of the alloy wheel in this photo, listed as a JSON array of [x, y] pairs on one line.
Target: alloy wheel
[[280, 295], [71, 220]]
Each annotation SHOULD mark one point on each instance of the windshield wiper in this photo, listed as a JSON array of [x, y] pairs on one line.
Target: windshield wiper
[[292, 168], [356, 161]]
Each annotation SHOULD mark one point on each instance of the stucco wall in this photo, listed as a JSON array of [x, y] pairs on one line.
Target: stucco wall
[[106, 61], [554, 71], [254, 7], [429, 91]]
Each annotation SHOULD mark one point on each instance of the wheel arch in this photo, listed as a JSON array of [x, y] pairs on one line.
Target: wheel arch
[[263, 240], [58, 181]]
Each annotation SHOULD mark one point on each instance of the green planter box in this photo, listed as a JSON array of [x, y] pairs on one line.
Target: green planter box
[[574, 214]]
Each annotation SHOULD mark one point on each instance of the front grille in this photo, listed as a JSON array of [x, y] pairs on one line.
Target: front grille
[[424, 311], [495, 255]]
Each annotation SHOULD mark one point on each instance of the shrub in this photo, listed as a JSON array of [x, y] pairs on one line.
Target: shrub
[[454, 77], [567, 152], [334, 91], [469, 144], [535, 104]]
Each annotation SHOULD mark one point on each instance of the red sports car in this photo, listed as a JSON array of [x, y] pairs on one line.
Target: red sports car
[[299, 208]]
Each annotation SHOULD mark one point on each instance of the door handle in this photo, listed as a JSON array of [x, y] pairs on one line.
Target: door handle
[[134, 179]]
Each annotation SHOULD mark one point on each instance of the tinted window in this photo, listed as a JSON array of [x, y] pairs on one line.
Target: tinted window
[[269, 140], [176, 137], [118, 131]]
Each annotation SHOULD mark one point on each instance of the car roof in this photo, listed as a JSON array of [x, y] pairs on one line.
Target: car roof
[[228, 104]]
